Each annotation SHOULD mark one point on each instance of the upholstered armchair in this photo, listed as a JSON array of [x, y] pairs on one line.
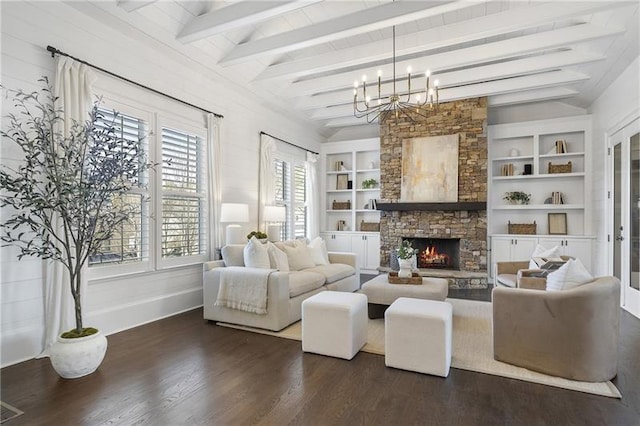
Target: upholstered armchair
[[570, 333], [511, 274]]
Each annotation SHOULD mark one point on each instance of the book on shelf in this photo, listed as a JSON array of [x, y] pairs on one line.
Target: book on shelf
[[557, 198], [561, 146], [507, 170]]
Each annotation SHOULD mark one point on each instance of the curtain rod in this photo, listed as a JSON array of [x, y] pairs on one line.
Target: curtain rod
[[55, 51], [289, 143]]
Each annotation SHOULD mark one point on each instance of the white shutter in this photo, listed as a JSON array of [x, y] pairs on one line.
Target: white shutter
[[183, 194], [130, 242]]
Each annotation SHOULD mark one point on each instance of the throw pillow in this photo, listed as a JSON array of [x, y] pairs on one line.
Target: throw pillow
[[255, 255], [570, 275], [541, 251], [298, 256], [318, 251], [277, 258]]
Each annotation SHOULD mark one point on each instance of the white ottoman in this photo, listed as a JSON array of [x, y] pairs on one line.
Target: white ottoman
[[334, 323], [418, 336]]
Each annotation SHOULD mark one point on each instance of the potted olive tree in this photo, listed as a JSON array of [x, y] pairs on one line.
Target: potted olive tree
[[67, 197]]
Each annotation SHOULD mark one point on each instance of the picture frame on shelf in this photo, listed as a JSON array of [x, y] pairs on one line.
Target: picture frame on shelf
[[342, 181], [557, 223]]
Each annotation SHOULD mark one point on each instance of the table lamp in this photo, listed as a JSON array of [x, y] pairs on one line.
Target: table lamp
[[277, 214], [237, 213]]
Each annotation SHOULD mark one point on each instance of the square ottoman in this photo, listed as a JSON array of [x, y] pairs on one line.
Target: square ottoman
[[334, 323], [418, 336]]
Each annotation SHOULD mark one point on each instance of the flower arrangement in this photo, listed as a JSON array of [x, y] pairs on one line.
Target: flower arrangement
[[406, 250], [517, 197], [369, 183]]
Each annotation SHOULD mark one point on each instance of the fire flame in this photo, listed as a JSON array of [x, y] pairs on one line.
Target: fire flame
[[430, 256]]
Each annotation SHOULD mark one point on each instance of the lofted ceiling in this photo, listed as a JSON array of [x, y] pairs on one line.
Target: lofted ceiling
[[301, 57]]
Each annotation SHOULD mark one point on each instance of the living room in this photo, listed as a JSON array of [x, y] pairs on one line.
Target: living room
[[146, 43]]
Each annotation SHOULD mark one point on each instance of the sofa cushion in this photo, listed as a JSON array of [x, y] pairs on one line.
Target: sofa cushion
[[255, 255], [541, 251], [318, 250], [333, 272], [233, 255], [277, 258], [570, 275], [304, 281], [298, 256]]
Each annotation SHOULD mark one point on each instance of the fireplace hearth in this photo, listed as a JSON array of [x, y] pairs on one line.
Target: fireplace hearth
[[437, 253]]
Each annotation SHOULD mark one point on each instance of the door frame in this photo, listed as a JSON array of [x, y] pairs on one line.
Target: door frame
[[610, 135]]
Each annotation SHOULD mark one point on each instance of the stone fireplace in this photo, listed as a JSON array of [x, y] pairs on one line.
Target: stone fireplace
[[460, 228]]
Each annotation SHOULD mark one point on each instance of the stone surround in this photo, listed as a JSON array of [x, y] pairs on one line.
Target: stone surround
[[467, 118]]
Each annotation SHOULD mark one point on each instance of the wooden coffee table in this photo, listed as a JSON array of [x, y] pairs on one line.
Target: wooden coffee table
[[381, 293]]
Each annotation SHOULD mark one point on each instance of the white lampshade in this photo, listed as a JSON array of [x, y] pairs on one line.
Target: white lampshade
[[234, 212], [274, 213]]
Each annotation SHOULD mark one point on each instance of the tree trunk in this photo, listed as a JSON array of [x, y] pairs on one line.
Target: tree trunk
[[76, 300]]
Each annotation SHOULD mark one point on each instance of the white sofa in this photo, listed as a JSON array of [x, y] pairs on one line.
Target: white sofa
[[285, 290]]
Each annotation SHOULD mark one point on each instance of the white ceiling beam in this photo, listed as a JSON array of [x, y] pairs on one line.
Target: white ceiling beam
[[237, 15], [547, 79], [131, 5], [530, 65], [361, 22], [526, 96], [435, 38], [499, 50]]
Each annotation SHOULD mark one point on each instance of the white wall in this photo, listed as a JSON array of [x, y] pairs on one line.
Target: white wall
[[112, 305], [617, 105]]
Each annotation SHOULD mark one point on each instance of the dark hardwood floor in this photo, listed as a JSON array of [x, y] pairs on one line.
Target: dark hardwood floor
[[186, 371]]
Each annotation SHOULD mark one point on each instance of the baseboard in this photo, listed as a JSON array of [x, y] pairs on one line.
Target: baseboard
[[124, 317], [21, 345]]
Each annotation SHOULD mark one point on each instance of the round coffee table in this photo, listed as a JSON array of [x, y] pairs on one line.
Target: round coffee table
[[380, 293]]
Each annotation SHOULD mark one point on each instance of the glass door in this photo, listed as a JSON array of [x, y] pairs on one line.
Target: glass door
[[626, 213]]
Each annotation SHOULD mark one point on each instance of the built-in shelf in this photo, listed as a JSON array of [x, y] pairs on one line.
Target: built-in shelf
[[338, 190], [542, 176], [540, 207], [368, 171], [462, 206], [519, 158], [367, 211], [566, 154], [340, 172], [367, 189]]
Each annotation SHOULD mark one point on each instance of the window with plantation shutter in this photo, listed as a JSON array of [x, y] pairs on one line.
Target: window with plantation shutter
[[290, 191], [130, 242], [170, 227], [183, 194], [299, 199]]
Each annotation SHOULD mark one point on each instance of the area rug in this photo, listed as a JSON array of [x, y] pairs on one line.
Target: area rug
[[472, 348]]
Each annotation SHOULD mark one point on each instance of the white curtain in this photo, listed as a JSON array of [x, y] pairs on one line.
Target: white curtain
[[313, 191], [215, 187], [72, 87], [266, 190]]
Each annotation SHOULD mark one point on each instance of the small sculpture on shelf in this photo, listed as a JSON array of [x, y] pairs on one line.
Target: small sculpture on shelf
[[517, 197]]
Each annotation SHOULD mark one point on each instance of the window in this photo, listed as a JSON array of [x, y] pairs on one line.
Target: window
[[290, 191], [183, 194], [171, 227], [129, 243]]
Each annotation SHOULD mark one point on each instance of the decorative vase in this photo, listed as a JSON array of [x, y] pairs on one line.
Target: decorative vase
[[405, 268], [73, 358], [393, 260]]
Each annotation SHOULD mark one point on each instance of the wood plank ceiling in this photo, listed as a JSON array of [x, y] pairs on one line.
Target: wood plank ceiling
[[302, 56]]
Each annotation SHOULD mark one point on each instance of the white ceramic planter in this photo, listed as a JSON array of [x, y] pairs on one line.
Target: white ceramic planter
[[73, 358]]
